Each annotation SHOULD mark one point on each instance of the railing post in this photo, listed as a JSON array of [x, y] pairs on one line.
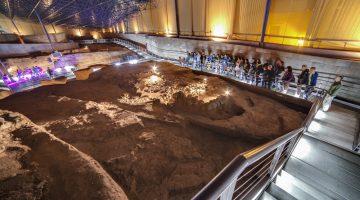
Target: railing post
[[291, 145], [275, 160], [229, 191]]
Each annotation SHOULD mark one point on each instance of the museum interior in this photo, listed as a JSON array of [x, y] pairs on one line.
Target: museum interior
[[180, 99]]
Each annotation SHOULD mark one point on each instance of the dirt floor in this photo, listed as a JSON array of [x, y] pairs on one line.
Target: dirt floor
[[160, 132]]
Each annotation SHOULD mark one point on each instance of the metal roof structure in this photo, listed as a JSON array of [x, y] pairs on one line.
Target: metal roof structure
[[79, 13]]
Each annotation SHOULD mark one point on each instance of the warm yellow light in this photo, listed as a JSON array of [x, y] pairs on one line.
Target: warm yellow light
[[167, 33], [154, 69], [218, 39], [95, 35], [227, 92], [78, 33], [301, 42], [219, 30], [154, 79]]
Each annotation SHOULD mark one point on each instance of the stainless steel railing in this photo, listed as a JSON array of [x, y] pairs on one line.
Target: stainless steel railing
[[247, 175]]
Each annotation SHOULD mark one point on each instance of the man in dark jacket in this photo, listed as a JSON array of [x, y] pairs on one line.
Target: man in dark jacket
[[269, 76], [311, 82], [302, 79]]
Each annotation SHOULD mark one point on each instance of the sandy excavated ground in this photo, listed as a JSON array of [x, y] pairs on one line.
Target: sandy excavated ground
[[160, 134]]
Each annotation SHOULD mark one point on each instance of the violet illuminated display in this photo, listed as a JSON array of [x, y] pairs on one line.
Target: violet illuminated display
[[86, 13], [33, 76]]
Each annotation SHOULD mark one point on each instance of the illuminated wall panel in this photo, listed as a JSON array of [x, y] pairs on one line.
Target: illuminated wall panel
[[336, 19], [313, 23], [185, 16], [198, 17], [249, 15], [220, 17], [289, 18], [25, 27]]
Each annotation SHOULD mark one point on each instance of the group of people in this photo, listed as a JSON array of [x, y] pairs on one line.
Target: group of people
[[271, 74]]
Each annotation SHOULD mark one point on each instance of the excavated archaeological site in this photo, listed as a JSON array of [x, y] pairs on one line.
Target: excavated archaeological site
[[143, 131]]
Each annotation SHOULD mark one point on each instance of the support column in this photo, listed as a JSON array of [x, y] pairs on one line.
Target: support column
[[205, 21], [265, 21], [44, 30], [17, 30], [192, 18], [52, 25], [177, 19]]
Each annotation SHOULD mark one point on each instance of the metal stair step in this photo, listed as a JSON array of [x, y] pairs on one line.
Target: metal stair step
[[279, 193], [351, 157], [266, 196], [292, 189], [338, 168], [320, 180], [303, 186]]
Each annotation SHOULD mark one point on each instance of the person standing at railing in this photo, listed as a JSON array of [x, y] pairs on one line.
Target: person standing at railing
[[188, 55], [258, 73], [287, 78], [269, 76], [302, 79], [311, 83], [246, 69], [331, 93]]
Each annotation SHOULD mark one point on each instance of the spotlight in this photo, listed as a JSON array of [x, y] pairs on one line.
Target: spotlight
[[154, 69], [154, 79], [58, 70], [68, 68], [301, 42], [96, 69], [133, 62], [27, 76], [227, 92]]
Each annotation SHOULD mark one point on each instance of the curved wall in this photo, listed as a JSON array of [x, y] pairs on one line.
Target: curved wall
[[333, 24]]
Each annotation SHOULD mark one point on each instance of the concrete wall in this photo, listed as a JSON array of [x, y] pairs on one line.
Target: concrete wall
[[24, 27], [327, 67], [81, 60], [59, 37], [9, 38], [12, 50]]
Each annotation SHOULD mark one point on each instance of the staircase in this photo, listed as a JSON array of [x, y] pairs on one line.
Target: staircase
[[317, 170]]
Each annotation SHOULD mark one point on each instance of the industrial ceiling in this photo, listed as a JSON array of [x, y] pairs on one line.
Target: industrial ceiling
[[79, 13]]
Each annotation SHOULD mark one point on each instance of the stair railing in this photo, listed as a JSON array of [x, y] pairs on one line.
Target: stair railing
[[248, 174]]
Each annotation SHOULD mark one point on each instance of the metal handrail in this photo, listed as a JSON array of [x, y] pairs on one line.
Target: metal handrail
[[356, 142], [221, 181]]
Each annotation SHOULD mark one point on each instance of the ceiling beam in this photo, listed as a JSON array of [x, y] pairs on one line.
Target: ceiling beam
[[9, 9], [37, 4], [58, 10], [72, 15]]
